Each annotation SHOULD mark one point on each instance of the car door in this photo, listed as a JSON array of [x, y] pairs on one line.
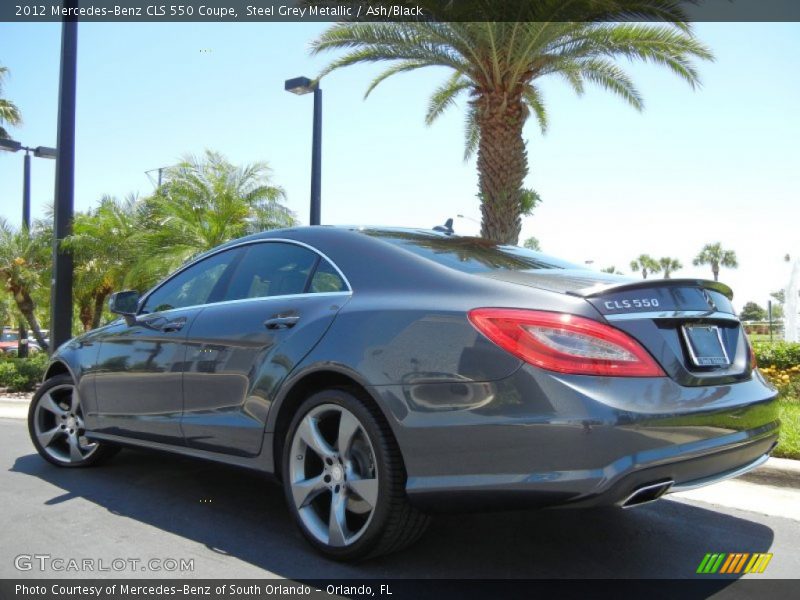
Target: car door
[[140, 365], [281, 299]]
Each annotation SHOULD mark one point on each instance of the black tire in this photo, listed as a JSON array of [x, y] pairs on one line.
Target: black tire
[[393, 523], [58, 391]]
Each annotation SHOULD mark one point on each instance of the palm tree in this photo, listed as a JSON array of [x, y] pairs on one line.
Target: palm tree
[[499, 66], [24, 258], [646, 264], [207, 201], [716, 256], [669, 265], [612, 270], [106, 245], [9, 113]]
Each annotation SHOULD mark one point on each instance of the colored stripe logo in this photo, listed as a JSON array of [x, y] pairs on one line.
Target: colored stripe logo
[[734, 563]]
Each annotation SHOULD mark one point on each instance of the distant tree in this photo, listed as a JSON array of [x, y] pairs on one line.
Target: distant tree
[[533, 244], [780, 296], [669, 265], [752, 312], [24, 258], [9, 113], [716, 256], [206, 201], [612, 269], [646, 264], [105, 244]]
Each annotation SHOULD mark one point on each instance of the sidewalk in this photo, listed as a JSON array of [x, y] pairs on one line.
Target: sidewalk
[[14, 406]]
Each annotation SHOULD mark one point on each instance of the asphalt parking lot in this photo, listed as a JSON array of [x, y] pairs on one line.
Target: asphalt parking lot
[[233, 524]]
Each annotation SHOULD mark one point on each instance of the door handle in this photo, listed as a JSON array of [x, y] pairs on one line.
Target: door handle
[[173, 326], [281, 322]]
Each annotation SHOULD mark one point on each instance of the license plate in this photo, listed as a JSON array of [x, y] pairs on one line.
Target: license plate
[[705, 346]]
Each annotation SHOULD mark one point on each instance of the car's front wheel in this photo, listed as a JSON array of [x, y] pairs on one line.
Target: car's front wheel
[[57, 429], [345, 481]]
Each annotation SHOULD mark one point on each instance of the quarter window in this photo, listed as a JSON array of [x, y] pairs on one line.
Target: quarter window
[[326, 279]]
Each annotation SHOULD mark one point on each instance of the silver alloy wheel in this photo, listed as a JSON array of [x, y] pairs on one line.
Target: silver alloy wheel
[[334, 483], [59, 427]]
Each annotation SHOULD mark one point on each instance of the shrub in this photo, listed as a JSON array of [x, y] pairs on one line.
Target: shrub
[[781, 355], [22, 374]]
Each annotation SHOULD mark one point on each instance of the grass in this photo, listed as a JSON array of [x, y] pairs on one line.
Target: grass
[[764, 337], [789, 441]]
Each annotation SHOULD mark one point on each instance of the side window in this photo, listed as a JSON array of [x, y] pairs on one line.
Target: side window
[[271, 269], [196, 285], [326, 279]]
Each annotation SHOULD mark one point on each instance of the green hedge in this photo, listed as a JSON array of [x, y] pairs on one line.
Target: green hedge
[[782, 355], [22, 374]]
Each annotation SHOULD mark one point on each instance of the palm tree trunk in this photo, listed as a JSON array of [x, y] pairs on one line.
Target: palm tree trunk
[[502, 165], [26, 306], [715, 271], [85, 313], [99, 303]]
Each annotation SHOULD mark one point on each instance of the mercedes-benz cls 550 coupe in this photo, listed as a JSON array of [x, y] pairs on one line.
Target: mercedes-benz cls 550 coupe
[[383, 374]]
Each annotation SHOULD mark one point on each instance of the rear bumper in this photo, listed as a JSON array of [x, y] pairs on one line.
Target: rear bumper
[[545, 440]]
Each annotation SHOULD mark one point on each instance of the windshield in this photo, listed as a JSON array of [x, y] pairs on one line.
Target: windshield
[[8, 337], [471, 254]]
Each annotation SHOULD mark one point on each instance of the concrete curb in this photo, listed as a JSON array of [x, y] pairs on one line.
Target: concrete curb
[[777, 472]]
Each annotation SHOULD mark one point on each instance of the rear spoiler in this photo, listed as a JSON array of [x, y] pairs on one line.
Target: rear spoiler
[[600, 288]]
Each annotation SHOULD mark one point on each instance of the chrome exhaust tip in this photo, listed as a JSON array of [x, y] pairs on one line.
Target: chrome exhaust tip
[[647, 493]]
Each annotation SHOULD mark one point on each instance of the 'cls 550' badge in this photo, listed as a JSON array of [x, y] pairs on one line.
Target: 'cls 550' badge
[[631, 303]]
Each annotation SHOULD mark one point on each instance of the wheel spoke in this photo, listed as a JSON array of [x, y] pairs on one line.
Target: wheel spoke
[[75, 453], [311, 435], [46, 437], [348, 426], [337, 526], [74, 402], [48, 404], [366, 489], [306, 490]]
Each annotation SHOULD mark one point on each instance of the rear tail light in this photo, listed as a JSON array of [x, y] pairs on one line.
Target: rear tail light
[[565, 343], [753, 359]]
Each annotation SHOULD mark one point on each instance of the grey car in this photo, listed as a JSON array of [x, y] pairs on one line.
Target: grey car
[[382, 374]]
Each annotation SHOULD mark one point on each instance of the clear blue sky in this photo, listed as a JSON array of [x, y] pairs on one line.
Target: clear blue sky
[[716, 164]]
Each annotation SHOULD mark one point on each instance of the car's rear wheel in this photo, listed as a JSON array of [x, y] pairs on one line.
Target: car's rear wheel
[[344, 479], [57, 429]]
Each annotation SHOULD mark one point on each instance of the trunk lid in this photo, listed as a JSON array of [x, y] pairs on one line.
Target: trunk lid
[[688, 325]]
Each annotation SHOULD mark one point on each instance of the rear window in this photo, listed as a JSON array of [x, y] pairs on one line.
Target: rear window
[[471, 254]]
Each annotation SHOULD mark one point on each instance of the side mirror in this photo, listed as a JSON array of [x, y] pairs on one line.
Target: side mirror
[[124, 304]]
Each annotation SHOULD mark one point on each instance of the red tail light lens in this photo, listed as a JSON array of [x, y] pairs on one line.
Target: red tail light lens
[[753, 359], [565, 343]]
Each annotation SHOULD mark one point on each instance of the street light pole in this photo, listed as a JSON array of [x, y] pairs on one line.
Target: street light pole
[[61, 304], [26, 190], [316, 159], [22, 340], [300, 86]]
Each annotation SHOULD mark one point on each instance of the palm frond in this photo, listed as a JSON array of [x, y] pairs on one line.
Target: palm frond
[[445, 96], [533, 99], [472, 133], [402, 67]]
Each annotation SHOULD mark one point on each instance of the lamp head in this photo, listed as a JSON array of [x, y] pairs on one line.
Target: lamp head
[[300, 85], [10, 145]]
